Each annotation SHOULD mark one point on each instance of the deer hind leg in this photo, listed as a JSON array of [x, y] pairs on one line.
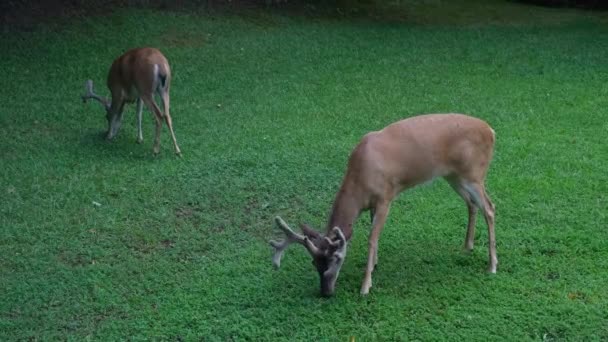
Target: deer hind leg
[[140, 108], [480, 198], [372, 214], [380, 214], [458, 186], [164, 95], [158, 118]]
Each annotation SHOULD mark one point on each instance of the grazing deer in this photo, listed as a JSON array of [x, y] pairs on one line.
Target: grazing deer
[[137, 75], [404, 154]]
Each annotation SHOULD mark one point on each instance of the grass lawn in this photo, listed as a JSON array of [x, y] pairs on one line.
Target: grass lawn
[[266, 109]]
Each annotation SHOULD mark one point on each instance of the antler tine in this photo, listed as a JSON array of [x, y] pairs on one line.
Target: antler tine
[[311, 247], [278, 253], [290, 237], [339, 234], [280, 246], [340, 238], [332, 243], [90, 94]]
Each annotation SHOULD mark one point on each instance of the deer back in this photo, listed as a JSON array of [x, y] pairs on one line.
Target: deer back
[[138, 71], [417, 150]]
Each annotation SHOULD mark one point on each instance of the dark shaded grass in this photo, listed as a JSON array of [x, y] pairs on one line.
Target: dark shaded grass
[[266, 111]]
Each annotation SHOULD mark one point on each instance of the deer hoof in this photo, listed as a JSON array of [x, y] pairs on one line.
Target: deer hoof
[[467, 251]]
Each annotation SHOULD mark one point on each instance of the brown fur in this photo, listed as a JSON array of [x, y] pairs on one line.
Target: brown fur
[[132, 76], [410, 152]]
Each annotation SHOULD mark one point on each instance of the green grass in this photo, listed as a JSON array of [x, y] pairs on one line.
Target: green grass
[[266, 109]]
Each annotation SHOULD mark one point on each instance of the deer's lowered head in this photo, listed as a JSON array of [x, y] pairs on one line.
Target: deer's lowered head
[[327, 252], [114, 118]]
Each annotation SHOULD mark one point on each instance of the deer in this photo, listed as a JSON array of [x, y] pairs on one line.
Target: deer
[[404, 154], [137, 75]]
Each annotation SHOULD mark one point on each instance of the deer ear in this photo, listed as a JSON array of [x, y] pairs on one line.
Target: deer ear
[[311, 233]]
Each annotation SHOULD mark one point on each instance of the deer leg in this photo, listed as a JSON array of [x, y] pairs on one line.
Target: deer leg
[[116, 120], [489, 214], [469, 241], [375, 259], [372, 214], [481, 199], [140, 107], [164, 95], [470, 237], [158, 117], [381, 212]]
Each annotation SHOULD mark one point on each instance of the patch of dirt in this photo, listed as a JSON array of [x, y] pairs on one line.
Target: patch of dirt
[[77, 260], [142, 247], [185, 212], [188, 214], [167, 243]]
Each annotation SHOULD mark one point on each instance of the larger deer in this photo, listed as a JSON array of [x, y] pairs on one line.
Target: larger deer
[[138, 74], [404, 154]]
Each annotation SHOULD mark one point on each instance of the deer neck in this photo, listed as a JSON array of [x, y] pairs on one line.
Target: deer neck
[[344, 212]]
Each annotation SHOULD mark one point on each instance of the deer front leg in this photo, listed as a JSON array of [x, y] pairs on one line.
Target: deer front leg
[[380, 214], [115, 119]]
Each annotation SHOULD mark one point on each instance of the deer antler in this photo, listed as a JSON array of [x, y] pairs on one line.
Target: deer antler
[[290, 237], [90, 94], [340, 238]]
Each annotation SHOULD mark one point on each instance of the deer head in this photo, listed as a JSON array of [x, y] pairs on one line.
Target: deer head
[[327, 252], [114, 118]]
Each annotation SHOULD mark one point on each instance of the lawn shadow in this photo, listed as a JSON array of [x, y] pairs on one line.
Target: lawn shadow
[[93, 142], [442, 266], [398, 271]]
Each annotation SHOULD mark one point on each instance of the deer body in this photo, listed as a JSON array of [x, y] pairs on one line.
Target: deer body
[[138, 75], [404, 154]]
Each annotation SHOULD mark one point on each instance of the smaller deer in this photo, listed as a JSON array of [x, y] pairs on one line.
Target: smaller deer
[[404, 154], [138, 74]]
